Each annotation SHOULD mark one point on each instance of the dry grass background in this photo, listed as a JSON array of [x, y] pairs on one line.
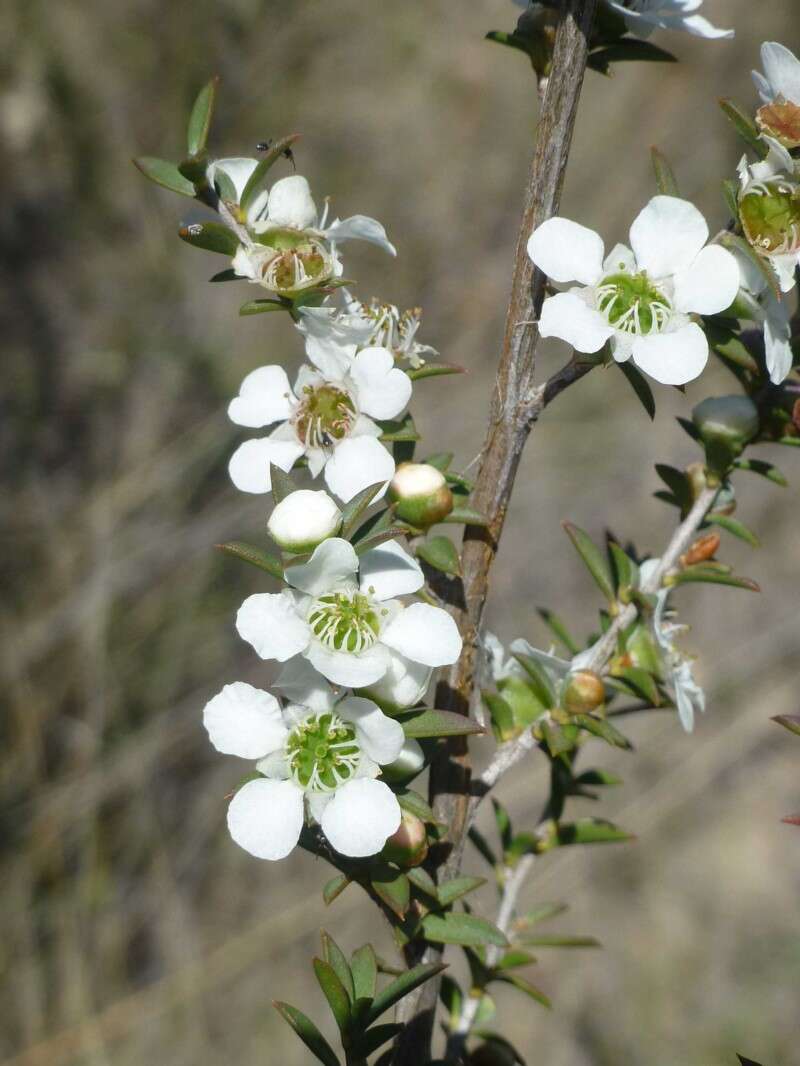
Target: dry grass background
[[131, 929]]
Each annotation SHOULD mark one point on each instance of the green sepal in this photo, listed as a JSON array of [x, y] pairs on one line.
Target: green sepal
[[427, 722], [211, 237], [592, 559], [164, 174], [200, 117], [308, 1033], [465, 929], [441, 554], [255, 556]]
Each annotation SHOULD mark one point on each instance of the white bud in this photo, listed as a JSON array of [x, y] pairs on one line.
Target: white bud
[[404, 684], [407, 765], [303, 519], [420, 494]]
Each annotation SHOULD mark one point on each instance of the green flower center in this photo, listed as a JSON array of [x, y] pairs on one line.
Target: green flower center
[[770, 213], [325, 415], [632, 303], [322, 752], [299, 261], [345, 621]]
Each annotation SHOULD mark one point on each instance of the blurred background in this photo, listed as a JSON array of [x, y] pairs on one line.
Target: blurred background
[[132, 930]]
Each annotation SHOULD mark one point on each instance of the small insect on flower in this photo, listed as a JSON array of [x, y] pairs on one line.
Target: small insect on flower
[[287, 153]]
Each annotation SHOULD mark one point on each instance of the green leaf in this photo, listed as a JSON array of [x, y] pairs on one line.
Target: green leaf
[[538, 679], [434, 370], [793, 442], [592, 558], [256, 179], [334, 888], [503, 822], [164, 174], [441, 460], [763, 468], [398, 429], [677, 482], [665, 179], [425, 722], [364, 969], [704, 574], [464, 929], [745, 127], [261, 307], [450, 891], [211, 237], [392, 886], [412, 802], [525, 986], [558, 629], [638, 383], [596, 778], [627, 49], [352, 511], [558, 941], [590, 831], [200, 117], [422, 880], [626, 572], [336, 958], [282, 484], [542, 913], [642, 683], [378, 1035], [689, 427], [467, 516], [441, 554], [308, 1033], [255, 556], [727, 344], [730, 194], [515, 958], [452, 999], [335, 993], [734, 526], [788, 721], [374, 539], [226, 275], [501, 714], [400, 987], [481, 844], [559, 739], [600, 727]]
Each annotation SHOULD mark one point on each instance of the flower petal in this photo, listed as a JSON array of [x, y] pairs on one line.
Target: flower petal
[[782, 70], [667, 235], [360, 228], [264, 397], [390, 571], [270, 622], [404, 684], [360, 818], [777, 339], [709, 284], [238, 168], [566, 251], [299, 682], [265, 818], [619, 260], [672, 358], [331, 359], [383, 389], [291, 203], [567, 316], [379, 736], [331, 563], [347, 669], [249, 464], [785, 267], [317, 802], [245, 721], [425, 634], [356, 463]]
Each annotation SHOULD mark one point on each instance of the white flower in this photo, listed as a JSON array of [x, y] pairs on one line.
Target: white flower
[[776, 318], [344, 618], [689, 697], [769, 208], [322, 760], [327, 417], [781, 78], [640, 300], [303, 519], [644, 16]]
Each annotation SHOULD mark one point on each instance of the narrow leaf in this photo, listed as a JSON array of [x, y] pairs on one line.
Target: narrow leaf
[[557, 941], [398, 429], [677, 482], [257, 178], [377, 1036], [450, 891], [308, 1033], [399, 988], [638, 383], [707, 575], [352, 511], [254, 556], [374, 539], [600, 727], [788, 721], [482, 846], [226, 275], [596, 778], [421, 879], [501, 714], [433, 723], [412, 802], [441, 460], [435, 370], [625, 569], [538, 679], [590, 831], [543, 913], [336, 958], [441, 554], [642, 683], [745, 127], [392, 886], [558, 629], [261, 307], [525, 986], [763, 468], [335, 993], [515, 958], [464, 929], [164, 174], [200, 117], [467, 516], [503, 823], [334, 888], [665, 179], [364, 969], [592, 558], [211, 237], [734, 526], [282, 484], [730, 194]]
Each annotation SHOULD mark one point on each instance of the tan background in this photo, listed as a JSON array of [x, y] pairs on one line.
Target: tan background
[[133, 931]]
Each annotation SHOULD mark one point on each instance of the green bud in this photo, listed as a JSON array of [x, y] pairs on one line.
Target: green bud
[[726, 424], [409, 845], [584, 692], [420, 494]]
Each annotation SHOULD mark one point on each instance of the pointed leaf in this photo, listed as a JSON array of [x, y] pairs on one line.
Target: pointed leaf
[[257, 178], [364, 969], [334, 992], [626, 572], [745, 127], [435, 370], [788, 721], [503, 823], [592, 558], [450, 891], [226, 275], [543, 913], [501, 714], [464, 929], [377, 1036], [642, 683], [412, 802], [515, 958], [558, 941], [600, 727], [399, 988], [211, 237], [336, 958], [392, 886], [441, 554], [467, 516], [707, 575], [374, 539], [164, 174], [394, 429], [282, 484], [730, 194], [538, 679], [261, 307], [334, 888], [482, 846], [441, 460], [665, 179], [433, 723], [352, 511], [764, 469], [255, 556], [734, 526], [308, 1033], [677, 482], [522, 985], [596, 778], [590, 831], [422, 880], [200, 117], [558, 629]]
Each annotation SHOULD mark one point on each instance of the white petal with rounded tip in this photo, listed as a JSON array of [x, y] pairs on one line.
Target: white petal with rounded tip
[[425, 634], [344, 668], [356, 463], [249, 465], [360, 228], [621, 347], [291, 203], [317, 802], [390, 571], [245, 721], [777, 340], [566, 251], [265, 396], [782, 70], [238, 168], [332, 359], [785, 267], [699, 26], [404, 684], [672, 358], [666, 235], [270, 622], [383, 389], [299, 682], [709, 284], [265, 818], [331, 563], [378, 735], [567, 316], [360, 818]]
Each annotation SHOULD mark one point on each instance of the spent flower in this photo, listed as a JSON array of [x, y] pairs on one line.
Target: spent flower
[[642, 17]]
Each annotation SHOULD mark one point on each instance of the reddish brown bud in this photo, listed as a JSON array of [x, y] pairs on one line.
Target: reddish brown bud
[[781, 120], [703, 549], [584, 693]]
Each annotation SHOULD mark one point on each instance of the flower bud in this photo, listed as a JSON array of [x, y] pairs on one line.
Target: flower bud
[[303, 519], [703, 549], [641, 651], [726, 424], [584, 692], [781, 120], [407, 765], [409, 845], [420, 494], [770, 216]]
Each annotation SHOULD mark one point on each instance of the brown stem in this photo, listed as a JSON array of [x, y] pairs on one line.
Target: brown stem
[[516, 404]]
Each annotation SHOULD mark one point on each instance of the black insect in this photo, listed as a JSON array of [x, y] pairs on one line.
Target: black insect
[[287, 153]]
